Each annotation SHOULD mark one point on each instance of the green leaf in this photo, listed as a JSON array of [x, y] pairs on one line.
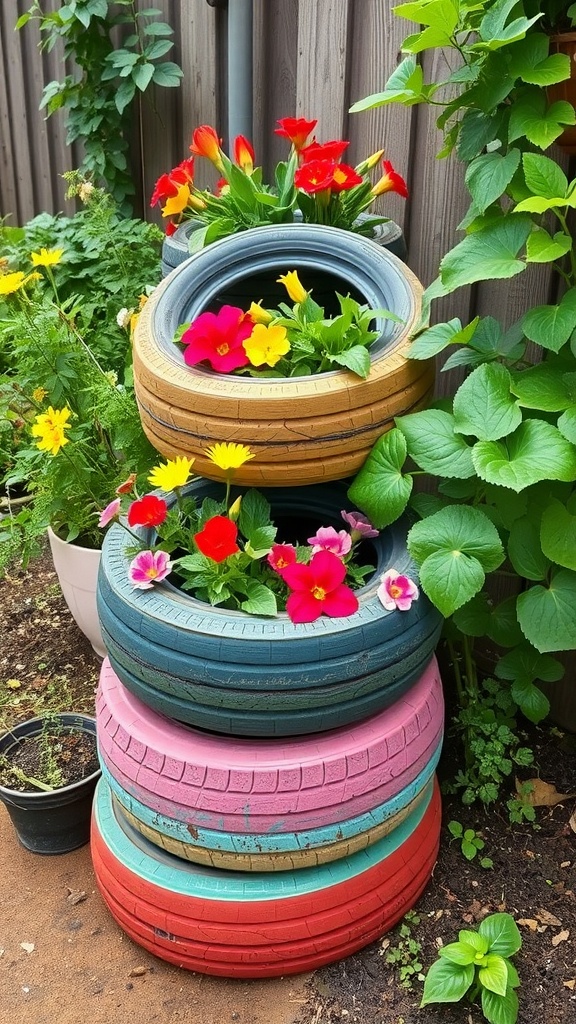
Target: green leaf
[[447, 982], [458, 530], [493, 975], [558, 535], [552, 326], [531, 701], [260, 599], [434, 445], [473, 939], [525, 664], [502, 934], [531, 62], [567, 424], [142, 75], [540, 124], [435, 339], [535, 451], [543, 387], [468, 849], [496, 31], [458, 952], [525, 549], [167, 74], [472, 618], [547, 615], [455, 829], [488, 175], [503, 627], [356, 359], [542, 248], [489, 253], [450, 579], [380, 489], [544, 177], [405, 85], [484, 406], [254, 513], [500, 1009]]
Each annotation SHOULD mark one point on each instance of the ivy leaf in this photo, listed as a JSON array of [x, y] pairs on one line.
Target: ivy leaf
[[547, 615], [525, 549], [484, 406], [489, 253], [494, 975], [488, 175], [380, 489], [434, 445], [447, 982], [552, 326], [535, 451], [502, 933], [558, 535], [500, 1009], [438, 337]]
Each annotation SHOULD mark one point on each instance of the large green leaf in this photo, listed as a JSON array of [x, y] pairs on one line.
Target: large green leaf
[[489, 253], [405, 85], [496, 31], [380, 488], [567, 424], [558, 535], [483, 405], [503, 626], [493, 974], [525, 664], [450, 578], [447, 982], [525, 549], [551, 326], [541, 247], [459, 952], [500, 1009], [541, 124], [488, 175], [436, 338], [531, 701], [502, 933], [434, 445], [544, 177], [531, 62], [543, 386], [535, 451], [547, 615]]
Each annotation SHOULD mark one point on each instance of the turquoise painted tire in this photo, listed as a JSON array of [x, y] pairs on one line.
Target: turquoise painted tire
[[230, 672], [251, 925]]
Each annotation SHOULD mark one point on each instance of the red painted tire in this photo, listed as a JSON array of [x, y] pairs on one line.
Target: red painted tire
[[233, 924], [261, 785]]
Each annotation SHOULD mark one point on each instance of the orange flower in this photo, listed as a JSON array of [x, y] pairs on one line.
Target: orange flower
[[205, 142], [390, 181], [243, 154]]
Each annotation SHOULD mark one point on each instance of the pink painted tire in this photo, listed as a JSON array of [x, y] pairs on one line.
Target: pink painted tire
[[259, 785], [238, 925]]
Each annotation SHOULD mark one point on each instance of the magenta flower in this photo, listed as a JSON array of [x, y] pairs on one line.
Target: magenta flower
[[360, 524], [149, 567], [281, 556], [216, 338], [327, 538], [396, 591], [111, 512], [318, 588]]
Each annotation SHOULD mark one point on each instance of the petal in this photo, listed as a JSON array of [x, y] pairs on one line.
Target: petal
[[298, 577], [385, 599], [328, 571], [340, 602], [302, 607]]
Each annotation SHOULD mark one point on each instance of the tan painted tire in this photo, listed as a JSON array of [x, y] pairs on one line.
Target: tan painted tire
[[302, 430]]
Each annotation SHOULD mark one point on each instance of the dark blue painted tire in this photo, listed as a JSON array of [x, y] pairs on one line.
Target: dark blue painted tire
[[248, 675]]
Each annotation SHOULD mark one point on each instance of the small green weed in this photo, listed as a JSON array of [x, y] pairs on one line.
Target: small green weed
[[470, 843], [405, 956]]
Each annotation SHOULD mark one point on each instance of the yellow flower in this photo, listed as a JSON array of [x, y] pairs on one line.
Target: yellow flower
[[229, 455], [177, 203], [259, 315], [266, 345], [49, 427], [10, 283], [39, 394], [171, 474], [293, 286], [46, 257]]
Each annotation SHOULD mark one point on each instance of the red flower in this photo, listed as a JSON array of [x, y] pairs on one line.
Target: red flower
[[219, 186], [218, 538], [296, 129], [324, 150], [168, 184], [171, 228], [281, 556], [205, 142], [186, 168], [244, 154], [319, 175], [390, 181], [318, 588], [217, 338], [147, 511]]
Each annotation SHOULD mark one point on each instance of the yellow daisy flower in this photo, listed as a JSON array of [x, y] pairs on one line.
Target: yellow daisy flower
[[171, 474], [49, 427], [293, 286], [46, 257], [229, 455], [39, 394], [259, 315], [266, 345]]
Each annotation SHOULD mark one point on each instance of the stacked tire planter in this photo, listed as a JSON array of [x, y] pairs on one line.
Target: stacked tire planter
[[268, 801]]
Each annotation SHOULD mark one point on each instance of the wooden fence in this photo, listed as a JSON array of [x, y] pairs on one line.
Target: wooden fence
[[312, 58]]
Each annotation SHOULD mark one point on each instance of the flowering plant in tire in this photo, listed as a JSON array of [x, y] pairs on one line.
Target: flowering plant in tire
[[316, 180], [227, 552], [291, 341]]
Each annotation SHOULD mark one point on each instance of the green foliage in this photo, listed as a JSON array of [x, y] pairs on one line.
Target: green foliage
[[479, 964], [405, 955], [97, 97], [471, 843]]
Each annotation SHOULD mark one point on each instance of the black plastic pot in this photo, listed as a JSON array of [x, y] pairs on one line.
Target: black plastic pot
[[176, 247], [59, 820]]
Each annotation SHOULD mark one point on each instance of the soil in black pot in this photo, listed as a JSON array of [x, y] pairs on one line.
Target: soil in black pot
[[56, 756]]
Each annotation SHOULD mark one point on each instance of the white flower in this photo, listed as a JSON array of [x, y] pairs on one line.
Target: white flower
[[123, 317], [85, 191]]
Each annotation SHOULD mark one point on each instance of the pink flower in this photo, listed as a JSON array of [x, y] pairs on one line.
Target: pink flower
[[327, 538], [396, 591], [111, 512], [281, 556], [361, 525], [318, 588], [149, 567], [216, 338]]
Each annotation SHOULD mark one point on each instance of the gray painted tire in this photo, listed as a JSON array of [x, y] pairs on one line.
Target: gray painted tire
[[230, 672]]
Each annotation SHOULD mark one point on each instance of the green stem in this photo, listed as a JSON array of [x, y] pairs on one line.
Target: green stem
[[457, 673]]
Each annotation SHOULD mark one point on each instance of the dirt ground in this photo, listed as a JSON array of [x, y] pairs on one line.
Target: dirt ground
[[63, 958]]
